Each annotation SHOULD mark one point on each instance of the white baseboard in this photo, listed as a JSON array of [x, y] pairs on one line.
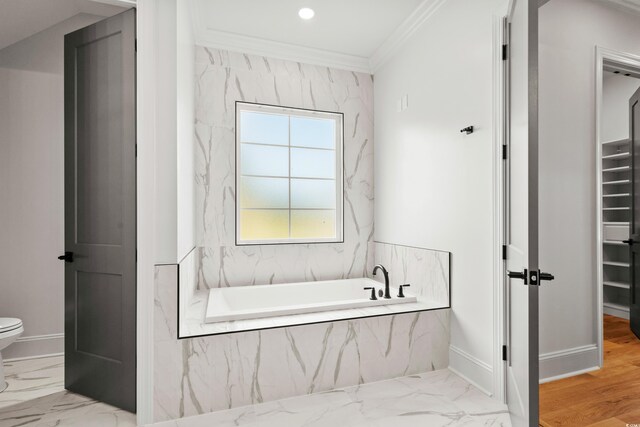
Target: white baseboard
[[567, 363], [472, 369], [40, 356], [34, 346], [624, 314]]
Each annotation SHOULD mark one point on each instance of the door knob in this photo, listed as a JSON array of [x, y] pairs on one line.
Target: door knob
[[546, 276], [522, 275], [67, 257]]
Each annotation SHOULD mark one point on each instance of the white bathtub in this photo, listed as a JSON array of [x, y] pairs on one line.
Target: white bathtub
[[253, 302]]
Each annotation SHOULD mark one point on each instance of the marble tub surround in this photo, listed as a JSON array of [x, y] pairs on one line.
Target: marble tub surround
[[433, 399], [205, 374], [427, 270], [224, 77], [192, 323]]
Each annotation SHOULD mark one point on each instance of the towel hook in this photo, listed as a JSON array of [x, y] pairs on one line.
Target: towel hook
[[468, 130]]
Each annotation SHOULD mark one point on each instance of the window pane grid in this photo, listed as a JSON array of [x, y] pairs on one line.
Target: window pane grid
[[312, 189]]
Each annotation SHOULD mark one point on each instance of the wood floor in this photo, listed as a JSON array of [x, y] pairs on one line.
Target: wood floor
[[606, 397]]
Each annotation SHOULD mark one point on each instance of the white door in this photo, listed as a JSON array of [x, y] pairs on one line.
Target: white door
[[521, 214]]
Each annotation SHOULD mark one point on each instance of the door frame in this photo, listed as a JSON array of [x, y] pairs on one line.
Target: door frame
[[500, 133], [603, 55], [500, 104], [146, 44], [146, 28]]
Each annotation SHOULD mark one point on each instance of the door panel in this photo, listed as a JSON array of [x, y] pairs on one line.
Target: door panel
[[521, 205], [100, 211], [634, 132]]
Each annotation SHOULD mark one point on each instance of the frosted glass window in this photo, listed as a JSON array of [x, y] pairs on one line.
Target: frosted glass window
[[310, 224], [313, 132], [307, 163], [289, 175], [263, 128], [263, 192], [264, 160], [264, 224], [313, 193]]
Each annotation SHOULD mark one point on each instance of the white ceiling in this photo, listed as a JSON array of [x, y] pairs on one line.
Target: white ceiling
[[20, 19], [353, 28]]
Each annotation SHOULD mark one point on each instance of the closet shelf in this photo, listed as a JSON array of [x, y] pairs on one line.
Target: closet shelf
[[618, 169], [622, 181], [617, 142], [616, 306], [616, 195], [614, 242], [617, 156], [614, 284], [618, 208], [617, 264]]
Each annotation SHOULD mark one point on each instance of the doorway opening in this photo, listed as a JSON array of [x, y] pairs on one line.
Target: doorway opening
[[603, 392], [34, 131]]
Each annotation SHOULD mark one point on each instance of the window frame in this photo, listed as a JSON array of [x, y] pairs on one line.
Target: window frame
[[338, 117]]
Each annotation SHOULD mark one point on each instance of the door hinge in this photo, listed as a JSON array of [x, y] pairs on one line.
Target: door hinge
[[136, 150], [504, 252], [135, 45], [504, 353], [504, 151], [505, 52]]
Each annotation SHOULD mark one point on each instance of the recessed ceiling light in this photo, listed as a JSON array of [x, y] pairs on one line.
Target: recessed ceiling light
[[306, 13]]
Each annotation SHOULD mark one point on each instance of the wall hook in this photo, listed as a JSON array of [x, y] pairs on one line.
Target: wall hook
[[468, 130]]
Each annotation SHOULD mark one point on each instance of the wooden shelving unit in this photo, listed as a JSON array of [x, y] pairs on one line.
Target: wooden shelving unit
[[616, 211]]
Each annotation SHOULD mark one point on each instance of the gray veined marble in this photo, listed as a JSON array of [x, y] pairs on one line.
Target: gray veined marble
[[224, 77], [433, 399], [36, 398], [200, 375], [230, 371]]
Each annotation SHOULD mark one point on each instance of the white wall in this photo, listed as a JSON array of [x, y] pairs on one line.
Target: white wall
[[174, 164], [569, 33], [32, 187], [616, 91], [434, 184], [185, 129]]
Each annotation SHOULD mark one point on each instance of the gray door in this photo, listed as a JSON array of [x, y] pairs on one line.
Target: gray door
[[634, 239], [521, 203], [100, 211]]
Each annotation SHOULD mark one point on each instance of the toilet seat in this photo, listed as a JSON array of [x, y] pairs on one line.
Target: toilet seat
[[8, 324]]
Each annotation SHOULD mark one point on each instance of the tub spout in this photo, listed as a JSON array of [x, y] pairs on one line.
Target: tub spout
[[387, 293]]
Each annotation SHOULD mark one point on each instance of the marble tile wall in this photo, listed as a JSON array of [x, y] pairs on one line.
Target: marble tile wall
[[224, 77], [204, 374], [428, 271]]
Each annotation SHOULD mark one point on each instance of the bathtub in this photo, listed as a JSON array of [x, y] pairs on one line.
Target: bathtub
[[253, 302]]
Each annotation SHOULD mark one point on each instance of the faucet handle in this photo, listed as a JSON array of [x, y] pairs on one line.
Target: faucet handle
[[373, 293], [401, 292]]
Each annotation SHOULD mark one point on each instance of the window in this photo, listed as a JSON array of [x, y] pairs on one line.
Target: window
[[288, 175]]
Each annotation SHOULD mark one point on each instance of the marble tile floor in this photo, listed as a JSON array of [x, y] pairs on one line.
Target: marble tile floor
[[36, 397], [438, 398]]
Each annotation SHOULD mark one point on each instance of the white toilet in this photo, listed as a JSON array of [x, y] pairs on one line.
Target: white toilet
[[10, 330]]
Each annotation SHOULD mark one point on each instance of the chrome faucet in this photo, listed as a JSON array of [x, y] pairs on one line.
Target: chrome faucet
[[387, 294]]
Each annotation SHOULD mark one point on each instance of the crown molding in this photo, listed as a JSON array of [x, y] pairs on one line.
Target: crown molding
[[403, 33], [208, 37], [205, 36], [286, 51]]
